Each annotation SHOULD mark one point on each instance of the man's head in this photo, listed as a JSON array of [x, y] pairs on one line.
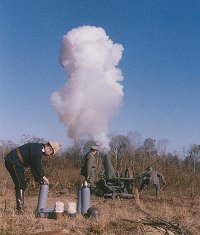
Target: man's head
[[149, 168], [52, 148], [94, 148]]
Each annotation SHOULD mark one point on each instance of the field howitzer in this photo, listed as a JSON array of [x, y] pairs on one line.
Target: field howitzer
[[112, 185]]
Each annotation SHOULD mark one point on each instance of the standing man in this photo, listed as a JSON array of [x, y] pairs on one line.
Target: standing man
[[89, 168], [28, 155], [151, 177]]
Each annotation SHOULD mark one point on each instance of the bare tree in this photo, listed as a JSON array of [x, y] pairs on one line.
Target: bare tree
[[194, 154], [31, 139], [6, 146], [162, 146], [149, 144], [193, 157], [135, 139], [76, 151], [120, 146]]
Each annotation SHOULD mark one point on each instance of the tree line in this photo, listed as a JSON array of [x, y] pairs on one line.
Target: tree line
[[130, 156]]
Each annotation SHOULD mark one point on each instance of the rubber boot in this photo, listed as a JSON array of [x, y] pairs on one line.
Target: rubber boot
[[157, 191], [20, 200]]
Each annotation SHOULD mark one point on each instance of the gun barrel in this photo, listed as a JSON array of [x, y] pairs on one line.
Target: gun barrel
[[127, 179]]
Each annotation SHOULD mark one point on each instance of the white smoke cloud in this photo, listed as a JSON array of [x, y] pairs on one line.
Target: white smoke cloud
[[92, 93]]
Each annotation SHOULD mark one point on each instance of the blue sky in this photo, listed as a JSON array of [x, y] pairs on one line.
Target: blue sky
[[160, 65]]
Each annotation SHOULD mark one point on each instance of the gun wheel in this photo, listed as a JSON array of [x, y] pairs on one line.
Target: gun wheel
[[128, 173]]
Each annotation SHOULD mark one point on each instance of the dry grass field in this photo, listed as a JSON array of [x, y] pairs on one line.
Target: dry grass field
[[170, 214]]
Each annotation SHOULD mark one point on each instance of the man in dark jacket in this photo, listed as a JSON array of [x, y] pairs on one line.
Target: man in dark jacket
[[28, 155], [89, 167], [151, 177]]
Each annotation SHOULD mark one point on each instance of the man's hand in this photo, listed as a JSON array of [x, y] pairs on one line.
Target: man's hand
[[45, 180], [88, 179]]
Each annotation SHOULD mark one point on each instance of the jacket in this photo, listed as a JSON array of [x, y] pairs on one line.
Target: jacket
[[89, 165], [153, 177], [32, 157]]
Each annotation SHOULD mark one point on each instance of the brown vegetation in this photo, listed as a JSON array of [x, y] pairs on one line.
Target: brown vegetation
[[175, 212]]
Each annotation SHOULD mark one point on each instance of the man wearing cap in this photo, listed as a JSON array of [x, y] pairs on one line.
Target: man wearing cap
[[89, 168], [28, 155], [151, 177]]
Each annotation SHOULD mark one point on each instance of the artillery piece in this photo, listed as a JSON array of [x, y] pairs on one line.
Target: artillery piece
[[111, 185]]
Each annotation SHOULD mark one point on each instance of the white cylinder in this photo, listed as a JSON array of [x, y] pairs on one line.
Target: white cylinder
[[59, 207], [71, 209]]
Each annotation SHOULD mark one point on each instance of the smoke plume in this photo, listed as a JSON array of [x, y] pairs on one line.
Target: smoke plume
[[92, 93]]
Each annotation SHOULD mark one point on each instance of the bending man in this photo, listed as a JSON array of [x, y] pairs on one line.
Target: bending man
[[151, 177], [28, 155]]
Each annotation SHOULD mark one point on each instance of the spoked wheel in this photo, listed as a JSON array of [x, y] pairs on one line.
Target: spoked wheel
[[128, 173], [129, 183]]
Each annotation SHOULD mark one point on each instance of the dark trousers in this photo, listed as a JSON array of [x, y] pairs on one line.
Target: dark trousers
[[17, 175], [147, 182]]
